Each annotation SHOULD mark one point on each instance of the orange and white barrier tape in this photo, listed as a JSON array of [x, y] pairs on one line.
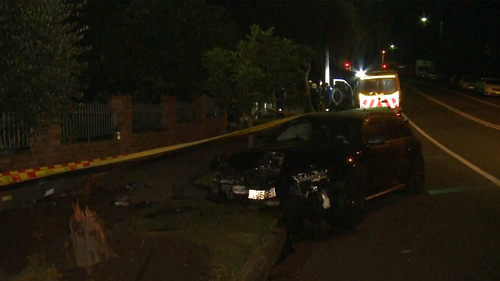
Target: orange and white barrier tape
[[7, 178]]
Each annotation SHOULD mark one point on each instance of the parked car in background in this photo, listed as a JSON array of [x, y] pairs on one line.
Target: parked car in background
[[433, 75], [455, 80], [468, 82], [488, 86], [328, 162]]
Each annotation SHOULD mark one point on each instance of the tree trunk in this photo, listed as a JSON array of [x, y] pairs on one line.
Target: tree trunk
[[309, 106], [89, 242]]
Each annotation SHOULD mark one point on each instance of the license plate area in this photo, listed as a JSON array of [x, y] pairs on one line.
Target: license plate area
[[261, 194]]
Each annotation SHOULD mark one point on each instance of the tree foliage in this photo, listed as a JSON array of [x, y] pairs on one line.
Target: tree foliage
[[250, 74], [319, 24], [155, 48], [39, 64]]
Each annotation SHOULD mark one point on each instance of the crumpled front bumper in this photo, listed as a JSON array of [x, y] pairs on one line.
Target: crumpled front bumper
[[239, 191]]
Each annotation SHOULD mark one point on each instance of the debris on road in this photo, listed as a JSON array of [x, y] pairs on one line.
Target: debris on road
[[131, 186], [122, 201]]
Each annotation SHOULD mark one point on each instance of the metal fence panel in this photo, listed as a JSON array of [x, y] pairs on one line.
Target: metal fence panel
[[13, 133], [89, 121], [186, 112], [147, 117]]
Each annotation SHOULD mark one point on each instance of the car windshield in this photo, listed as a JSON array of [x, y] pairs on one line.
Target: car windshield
[[470, 79], [385, 85], [343, 130], [493, 81], [424, 68]]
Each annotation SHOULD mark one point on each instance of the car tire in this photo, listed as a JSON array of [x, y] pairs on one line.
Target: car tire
[[230, 195], [350, 202], [224, 196], [416, 179]]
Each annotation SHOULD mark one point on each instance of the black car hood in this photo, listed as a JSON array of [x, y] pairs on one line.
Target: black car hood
[[297, 154]]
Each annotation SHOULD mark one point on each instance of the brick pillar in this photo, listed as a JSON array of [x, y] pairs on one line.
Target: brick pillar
[[121, 106], [200, 105], [169, 108], [54, 134], [47, 148]]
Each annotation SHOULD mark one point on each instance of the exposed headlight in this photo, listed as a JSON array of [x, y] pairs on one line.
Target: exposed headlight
[[312, 176]]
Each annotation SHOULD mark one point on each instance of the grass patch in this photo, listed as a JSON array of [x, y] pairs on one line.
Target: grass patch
[[231, 231], [37, 270]]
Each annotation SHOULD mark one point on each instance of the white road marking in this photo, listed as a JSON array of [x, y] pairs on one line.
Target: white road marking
[[453, 154], [459, 112], [472, 98]]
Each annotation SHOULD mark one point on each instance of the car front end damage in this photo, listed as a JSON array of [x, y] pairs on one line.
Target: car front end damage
[[312, 187], [249, 179], [266, 181]]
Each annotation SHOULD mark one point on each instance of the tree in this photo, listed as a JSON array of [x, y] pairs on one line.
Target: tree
[[248, 76], [155, 48], [39, 64], [320, 25]]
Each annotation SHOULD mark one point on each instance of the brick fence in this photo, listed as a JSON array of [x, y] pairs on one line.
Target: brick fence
[[50, 151]]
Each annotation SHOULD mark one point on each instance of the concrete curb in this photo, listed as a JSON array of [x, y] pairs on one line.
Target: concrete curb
[[263, 258]]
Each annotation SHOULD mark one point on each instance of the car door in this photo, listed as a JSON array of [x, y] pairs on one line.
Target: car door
[[377, 158], [402, 145]]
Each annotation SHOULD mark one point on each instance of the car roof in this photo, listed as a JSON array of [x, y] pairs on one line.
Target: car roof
[[357, 113], [381, 72]]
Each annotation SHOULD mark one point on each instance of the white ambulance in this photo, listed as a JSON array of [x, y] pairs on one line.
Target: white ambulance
[[378, 89]]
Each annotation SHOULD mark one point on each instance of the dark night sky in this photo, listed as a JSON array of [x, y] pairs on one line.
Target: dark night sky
[[466, 26], [462, 21]]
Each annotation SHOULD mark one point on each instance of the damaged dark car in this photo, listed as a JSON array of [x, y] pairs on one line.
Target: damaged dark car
[[332, 161]]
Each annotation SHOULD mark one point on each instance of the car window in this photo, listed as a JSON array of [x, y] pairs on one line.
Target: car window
[[378, 85], [470, 79], [380, 126], [296, 131], [345, 130], [322, 135], [493, 82]]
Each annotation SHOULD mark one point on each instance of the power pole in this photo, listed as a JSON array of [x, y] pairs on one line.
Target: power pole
[[327, 66]]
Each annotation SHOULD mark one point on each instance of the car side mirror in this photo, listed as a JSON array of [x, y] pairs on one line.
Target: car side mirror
[[377, 139]]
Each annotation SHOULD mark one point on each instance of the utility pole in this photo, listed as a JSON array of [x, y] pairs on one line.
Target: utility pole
[[327, 66]]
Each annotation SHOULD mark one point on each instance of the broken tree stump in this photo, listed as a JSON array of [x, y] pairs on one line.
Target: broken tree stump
[[89, 240]]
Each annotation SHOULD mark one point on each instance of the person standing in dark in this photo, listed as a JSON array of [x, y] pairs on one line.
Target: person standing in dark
[[321, 92], [328, 97], [280, 96], [315, 99]]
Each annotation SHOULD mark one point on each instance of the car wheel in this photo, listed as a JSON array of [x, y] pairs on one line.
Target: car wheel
[[230, 195], [224, 195], [350, 202], [416, 179]]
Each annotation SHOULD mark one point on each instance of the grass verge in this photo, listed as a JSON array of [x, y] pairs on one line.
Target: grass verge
[[229, 230], [37, 270]]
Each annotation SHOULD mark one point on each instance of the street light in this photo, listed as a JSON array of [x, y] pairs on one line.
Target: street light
[[424, 20], [383, 57]]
